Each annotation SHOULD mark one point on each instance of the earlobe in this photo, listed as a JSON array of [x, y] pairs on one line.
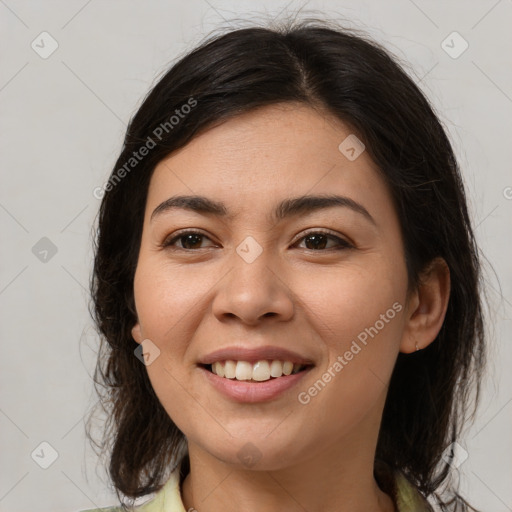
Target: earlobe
[[136, 333], [428, 307]]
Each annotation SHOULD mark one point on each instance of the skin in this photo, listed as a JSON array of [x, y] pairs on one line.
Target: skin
[[191, 301]]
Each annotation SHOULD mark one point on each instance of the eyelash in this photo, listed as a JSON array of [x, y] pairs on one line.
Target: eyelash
[[342, 244]]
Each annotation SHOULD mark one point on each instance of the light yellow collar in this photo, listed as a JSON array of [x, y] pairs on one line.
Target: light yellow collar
[[168, 499]]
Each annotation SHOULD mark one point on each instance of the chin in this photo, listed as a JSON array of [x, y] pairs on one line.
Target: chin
[[258, 451]]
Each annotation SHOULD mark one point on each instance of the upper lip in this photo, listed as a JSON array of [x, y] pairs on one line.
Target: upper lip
[[254, 354]]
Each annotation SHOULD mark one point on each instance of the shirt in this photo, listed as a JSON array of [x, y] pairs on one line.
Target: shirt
[[168, 499]]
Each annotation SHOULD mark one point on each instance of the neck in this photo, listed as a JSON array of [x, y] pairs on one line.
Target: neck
[[339, 478]]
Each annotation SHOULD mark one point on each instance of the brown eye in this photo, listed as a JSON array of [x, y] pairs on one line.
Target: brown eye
[[187, 240], [319, 240]]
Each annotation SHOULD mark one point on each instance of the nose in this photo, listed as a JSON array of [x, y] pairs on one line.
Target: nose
[[252, 292]]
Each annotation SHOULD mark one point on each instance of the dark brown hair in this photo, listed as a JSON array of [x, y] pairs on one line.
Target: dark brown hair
[[355, 79]]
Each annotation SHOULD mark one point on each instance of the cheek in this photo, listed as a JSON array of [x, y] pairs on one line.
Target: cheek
[[346, 301], [165, 298], [168, 302], [359, 318]]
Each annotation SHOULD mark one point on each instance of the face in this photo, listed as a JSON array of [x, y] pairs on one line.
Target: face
[[256, 274]]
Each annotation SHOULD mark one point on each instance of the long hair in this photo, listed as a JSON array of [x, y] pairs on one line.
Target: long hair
[[355, 79]]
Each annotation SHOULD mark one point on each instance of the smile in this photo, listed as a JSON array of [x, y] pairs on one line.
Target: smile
[[237, 380], [260, 371]]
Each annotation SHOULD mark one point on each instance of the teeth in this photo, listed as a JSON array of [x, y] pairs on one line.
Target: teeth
[[243, 370], [287, 367], [276, 369], [229, 369], [261, 371], [218, 369]]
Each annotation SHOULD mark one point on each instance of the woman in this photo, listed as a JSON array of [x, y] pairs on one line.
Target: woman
[[287, 284]]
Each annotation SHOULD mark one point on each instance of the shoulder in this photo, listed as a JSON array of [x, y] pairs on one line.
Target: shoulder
[[409, 499], [403, 492], [168, 499], [150, 506], [105, 509], [153, 505]]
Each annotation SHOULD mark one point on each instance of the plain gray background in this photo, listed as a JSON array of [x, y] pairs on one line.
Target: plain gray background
[[63, 118]]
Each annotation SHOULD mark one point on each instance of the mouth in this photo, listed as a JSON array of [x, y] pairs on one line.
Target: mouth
[[257, 372]]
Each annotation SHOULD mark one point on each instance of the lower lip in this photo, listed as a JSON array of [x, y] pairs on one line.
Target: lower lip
[[244, 391]]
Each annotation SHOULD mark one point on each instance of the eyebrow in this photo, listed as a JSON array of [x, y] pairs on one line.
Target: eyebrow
[[286, 208]]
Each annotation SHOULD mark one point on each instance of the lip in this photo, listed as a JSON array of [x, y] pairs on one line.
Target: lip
[[253, 355], [251, 392]]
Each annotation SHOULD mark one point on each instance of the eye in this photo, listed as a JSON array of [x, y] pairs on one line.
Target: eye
[[314, 240], [189, 240], [318, 240]]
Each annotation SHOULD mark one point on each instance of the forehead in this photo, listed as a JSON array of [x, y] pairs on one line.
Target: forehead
[[267, 154]]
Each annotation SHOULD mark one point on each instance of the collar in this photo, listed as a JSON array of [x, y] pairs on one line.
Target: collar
[[168, 499]]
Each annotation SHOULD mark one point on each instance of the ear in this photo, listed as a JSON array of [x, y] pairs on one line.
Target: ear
[[137, 333], [427, 307]]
